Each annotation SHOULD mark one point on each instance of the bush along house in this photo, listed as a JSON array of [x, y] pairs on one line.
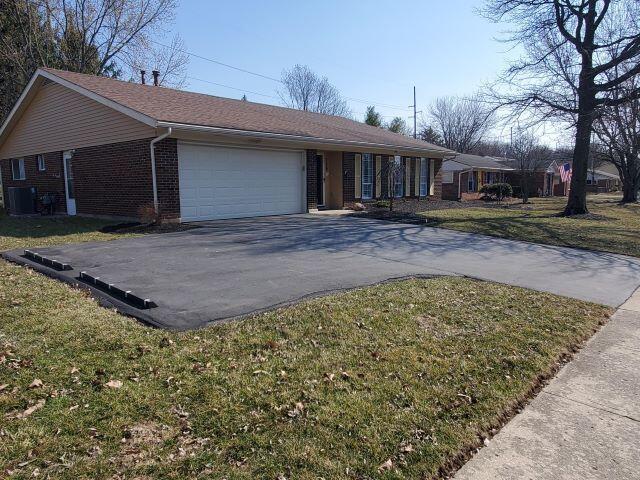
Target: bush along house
[[103, 147]]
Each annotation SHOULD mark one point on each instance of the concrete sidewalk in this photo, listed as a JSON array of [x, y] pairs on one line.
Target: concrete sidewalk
[[585, 424]]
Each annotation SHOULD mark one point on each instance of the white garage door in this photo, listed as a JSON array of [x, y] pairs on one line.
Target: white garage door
[[221, 182]]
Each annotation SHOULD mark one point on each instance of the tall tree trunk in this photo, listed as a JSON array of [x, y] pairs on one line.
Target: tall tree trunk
[[630, 182], [577, 202]]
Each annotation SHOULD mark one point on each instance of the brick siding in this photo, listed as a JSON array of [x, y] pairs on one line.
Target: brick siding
[[437, 179], [51, 180], [109, 180], [312, 179]]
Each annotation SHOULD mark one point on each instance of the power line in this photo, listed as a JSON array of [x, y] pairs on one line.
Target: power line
[[233, 88], [217, 62], [243, 70]]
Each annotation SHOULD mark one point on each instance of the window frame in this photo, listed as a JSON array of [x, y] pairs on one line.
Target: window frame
[[42, 164], [399, 180], [471, 182], [447, 176], [22, 174], [424, 177], [366, 188]]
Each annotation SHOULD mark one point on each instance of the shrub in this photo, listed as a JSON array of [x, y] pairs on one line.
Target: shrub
[[497, 190], [517, 191], [381, 204], [148, 215]]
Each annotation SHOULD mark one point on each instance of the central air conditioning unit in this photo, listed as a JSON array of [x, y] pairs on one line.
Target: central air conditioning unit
[[22, 200]]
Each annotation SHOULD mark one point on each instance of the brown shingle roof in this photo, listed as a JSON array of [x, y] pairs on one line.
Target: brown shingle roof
[[177, 106]]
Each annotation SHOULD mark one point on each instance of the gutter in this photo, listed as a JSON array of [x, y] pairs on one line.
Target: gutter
[[153, 167], [299, 138]]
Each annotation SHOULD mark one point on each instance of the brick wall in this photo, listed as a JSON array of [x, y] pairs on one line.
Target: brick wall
[[109, 180], [167, 178], [51, 180], [348, 188], [437, 179], [115, 179], [312, 179]]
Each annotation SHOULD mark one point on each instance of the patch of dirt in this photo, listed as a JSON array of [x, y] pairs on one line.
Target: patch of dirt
[[140, 442]]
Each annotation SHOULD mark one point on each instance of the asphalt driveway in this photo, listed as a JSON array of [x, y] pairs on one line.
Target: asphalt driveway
[[230, 268]]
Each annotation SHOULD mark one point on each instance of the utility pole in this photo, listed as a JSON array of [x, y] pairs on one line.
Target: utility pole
[[415, 114]]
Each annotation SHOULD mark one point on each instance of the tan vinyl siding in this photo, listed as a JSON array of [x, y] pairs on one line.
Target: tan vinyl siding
[[60, 119]]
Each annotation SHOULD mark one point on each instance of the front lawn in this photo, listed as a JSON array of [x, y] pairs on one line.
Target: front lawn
[[398, 380], [609, 227]]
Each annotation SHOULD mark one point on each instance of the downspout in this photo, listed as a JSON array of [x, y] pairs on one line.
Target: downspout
[[153, 168]]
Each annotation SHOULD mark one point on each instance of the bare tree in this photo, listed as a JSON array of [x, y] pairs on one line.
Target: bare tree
[[100, 37], [618, 129], [393, 172], [171, 61], [461, 122], [529, 158], [571, 49], [305, 90], [493, 148]]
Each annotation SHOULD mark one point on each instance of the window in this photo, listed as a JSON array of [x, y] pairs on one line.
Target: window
[[472, 182], [41, 165], [398, 177], [447, 177], [17, 167], [424, 176], [367, 176], [490, 177]]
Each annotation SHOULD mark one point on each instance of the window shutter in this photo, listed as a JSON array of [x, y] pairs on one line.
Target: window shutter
[[407, 176], [416, 183], [432, 182], [378, 176], [358, 176]]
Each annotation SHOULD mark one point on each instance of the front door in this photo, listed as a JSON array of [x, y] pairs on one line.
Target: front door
[[320, 179], [68, 182]]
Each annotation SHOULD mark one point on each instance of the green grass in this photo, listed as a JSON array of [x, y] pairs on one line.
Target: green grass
[[413, 372], [610, 227]]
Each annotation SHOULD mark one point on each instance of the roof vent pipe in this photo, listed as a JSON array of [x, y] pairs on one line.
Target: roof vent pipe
[[142, 74], [155, 74]]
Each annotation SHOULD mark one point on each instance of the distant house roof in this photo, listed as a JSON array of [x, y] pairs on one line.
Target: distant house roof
[[463, 161], [550, 166], [166, 107], [603, 174]]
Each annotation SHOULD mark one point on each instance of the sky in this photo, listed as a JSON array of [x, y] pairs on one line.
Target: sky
[[373, 51]]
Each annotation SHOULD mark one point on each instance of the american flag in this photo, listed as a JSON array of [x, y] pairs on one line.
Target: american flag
[[565, 172]]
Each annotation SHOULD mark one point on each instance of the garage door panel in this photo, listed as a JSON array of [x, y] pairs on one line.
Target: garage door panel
[[220, 182]]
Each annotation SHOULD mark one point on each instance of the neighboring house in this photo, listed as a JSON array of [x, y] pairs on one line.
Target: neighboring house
[[544, 182], [111, 148], [463, 175], [600, 181]]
